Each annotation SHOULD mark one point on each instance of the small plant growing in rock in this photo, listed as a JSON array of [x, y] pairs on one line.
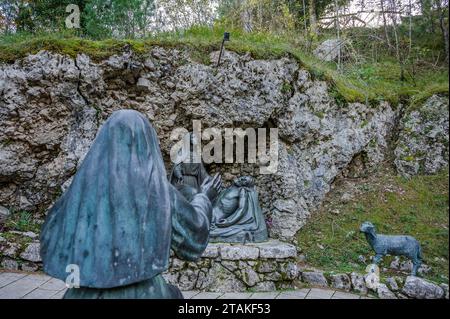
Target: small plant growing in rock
[[21, 221]]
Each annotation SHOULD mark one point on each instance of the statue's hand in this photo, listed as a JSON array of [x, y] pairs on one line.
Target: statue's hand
[[179, 180], [178, 174], [211, 186]]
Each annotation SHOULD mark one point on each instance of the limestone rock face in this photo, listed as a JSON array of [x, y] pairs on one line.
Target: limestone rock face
[[358, 283], [32, 252], [384, 292], [341, 281], [328, 50], [392, 283], [10, 249], [51, 107], [47, 128], [445, 289], [4, 213], [423, 139], [419, 288], [315, 278], [9, 264], [406, 266]]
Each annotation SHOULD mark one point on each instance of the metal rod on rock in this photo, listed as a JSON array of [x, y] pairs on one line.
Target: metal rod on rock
[[226, 37]]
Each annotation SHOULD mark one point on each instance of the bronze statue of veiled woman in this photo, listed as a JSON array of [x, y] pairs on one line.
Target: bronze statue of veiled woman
[[120, 217]]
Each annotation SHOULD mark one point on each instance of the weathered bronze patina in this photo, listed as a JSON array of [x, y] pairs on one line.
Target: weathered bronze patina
[[187, 176], [120, 217], [237, 216], [396, 245]]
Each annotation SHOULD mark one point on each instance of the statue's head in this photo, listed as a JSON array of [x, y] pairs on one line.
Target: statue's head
[[246, 181], [193, 138], [367, 227]]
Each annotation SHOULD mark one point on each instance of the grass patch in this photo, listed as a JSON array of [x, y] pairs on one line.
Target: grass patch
[[16, 47], [416, 206], [364, 83], [429, 90], [22, 221]]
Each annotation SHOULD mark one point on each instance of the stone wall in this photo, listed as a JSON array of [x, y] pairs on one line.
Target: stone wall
[[235, 267], [393, 287]]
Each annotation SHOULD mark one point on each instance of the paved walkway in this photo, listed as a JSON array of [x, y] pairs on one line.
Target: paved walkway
[[15, 285]]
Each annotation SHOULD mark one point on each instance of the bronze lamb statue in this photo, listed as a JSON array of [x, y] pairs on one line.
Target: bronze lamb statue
[[400, 245]]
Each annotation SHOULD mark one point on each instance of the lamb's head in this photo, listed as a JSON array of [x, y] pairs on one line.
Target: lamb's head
[[367, 228]]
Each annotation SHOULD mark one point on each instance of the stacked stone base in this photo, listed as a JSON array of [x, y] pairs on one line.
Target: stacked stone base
[[236, 268]]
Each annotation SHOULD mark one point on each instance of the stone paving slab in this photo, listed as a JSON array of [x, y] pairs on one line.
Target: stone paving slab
[[344, 295], [235, 295], [59, 295], [294, 294], [15, 285], [319, 293], [265, 295], [190, 293], [207, 295], [53, 284], [40, 294], [19, 288], [7, 278]]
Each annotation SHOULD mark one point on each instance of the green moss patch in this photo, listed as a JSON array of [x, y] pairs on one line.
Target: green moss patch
[[363, 82]]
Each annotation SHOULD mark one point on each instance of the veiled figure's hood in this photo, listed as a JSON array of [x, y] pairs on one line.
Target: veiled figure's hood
[[114, 221]]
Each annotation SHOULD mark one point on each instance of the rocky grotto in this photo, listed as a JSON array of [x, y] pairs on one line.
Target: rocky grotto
[[51, 107]]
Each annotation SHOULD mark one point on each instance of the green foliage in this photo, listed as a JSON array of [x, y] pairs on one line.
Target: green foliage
[[40, 15], [286, 88], [417, 206], [257, 16], [19, 45], [99, 19], [22, 221], [270, 15], [118, 18], [364, 82], [441, 87]]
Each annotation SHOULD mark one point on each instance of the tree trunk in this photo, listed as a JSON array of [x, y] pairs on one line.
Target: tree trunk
[[386, 34], [444, 28], [445, 36], [397, 43], [425, 8], [312, 18], [336, 8], [304, 15]]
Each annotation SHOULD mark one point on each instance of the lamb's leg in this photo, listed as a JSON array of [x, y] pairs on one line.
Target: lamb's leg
[[416, 265], [414, 269], [377, 258]]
